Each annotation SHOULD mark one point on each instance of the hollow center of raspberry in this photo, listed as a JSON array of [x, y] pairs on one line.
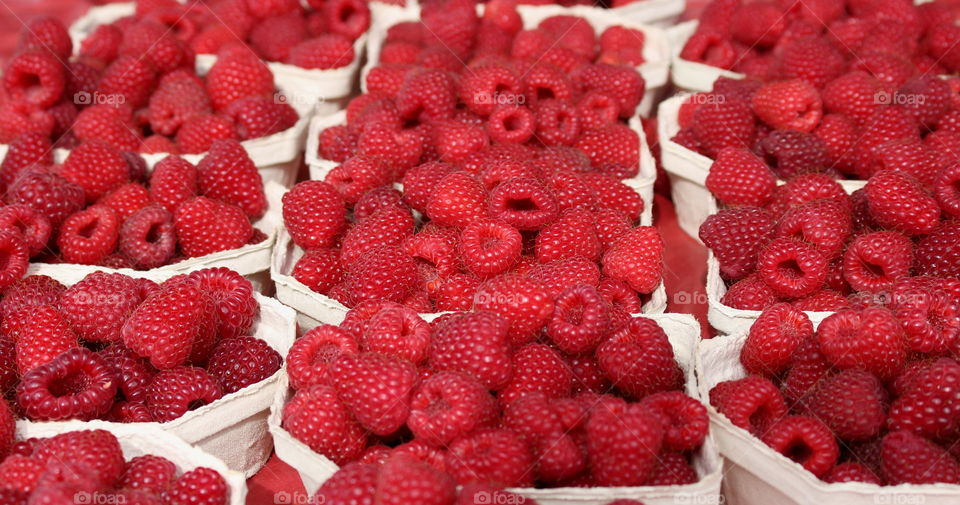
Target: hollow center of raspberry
[[346, 13], [31, 85], [574, 315], [871, 269], [88, 229], [326, 354], [798, 451], [791, 269], [522, 204], [153, 234], [512, 123], [196, 404], [545, 94], [490, 243], [438, 406], [70, 385]]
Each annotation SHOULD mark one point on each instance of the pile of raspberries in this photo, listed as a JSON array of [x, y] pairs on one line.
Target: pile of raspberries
[[133, 85], [101, 207], [514, 169], [592, 397], [861, 399], [88, 466], [122, 349]]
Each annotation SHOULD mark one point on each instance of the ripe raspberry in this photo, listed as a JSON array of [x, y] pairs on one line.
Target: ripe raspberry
[[31, 291], [448, 406], [557, 453], [356, 481], [774, 338], [132, 372], [428, 94], [805, 188], [475, 344], [636, 258], [20, 476], [406, 479], [200, 486], [891, 193], [738, 177], [376, 388], [909, 459], [98, 305], [873, 262], [723, 123], [167, 325], [490, 247], [495, 456], [613, 194], [688, 420], [752, 403], [77, 384], [613, 148], [457, 200], [537, 369], [314, 213], [147, 237], [792, 268], [710, 47], [113, 125], [201, 131], [238, 73], [272, 37], [852, 404], [35, 77], [319, 269], [580, 320], [389, 226], [27, 149], [639, 359], [177, 99], [511, 123], [176, 391], [758, 24], [238, 362], [16, 256], [936, 254], [623, 442], [228, 174], [89, 236], [46, 33], [256, 117], [735, 236], [805, 440], [870, 340], [127, 199], [749, 293], [572, 234], [851, 471], [97, 452], [791, 152], [130, 79], [152, 474], [49, 194], [350, 18], [522, 302], [791, 104], [928, 405], [325, 52], [205, 226], [173, 182]]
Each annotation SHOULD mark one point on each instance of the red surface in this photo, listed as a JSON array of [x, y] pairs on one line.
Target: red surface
[[684, 269]]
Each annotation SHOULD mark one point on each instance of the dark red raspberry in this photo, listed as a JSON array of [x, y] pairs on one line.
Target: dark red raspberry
[[557, 453], [752, 403], [147, 237], [852, 403], [153, 474], [448, 406], [316, 417], [739, 177], [495, 456], [174, 392], [537, 369], [639, 359], [774, 338], [133, 373], [873, 262], [238, 362], [96, 167], [736, 236], [53, 196], [200, 486], [96, 451], [899, 202], [98, 305], [790, 153], [910, 459], [233, 299], [314, 213], [623, 442], [687, 424], [851, 471], [77, 384], [805, 440], [16, 257], [580, 320], [937, 254], [311, 355], [869, 340]]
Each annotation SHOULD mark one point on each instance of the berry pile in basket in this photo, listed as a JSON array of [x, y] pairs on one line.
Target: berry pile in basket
[[870, 396], [851, 128], [101, 207], [136, 89], [817, 40], [584, 395], [820, 249], [123, 349], [87, 467], [320, 36]]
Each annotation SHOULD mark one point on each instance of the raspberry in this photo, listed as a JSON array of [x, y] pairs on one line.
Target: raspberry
[[511, 123], [851, 403], [791, 152], [909, 459], [495, 456], [946, 188], [805, 188], [389, 226], [337, 143], [490, 247], [77, 384], [238, 362], [8, 427], [936, 254], [791, 268], [709, 47], [537, 369], [759, 24], [113, 125], [851, 472], [810, 59], [522, 302], [929, 319], [723, 123], [238, 73], [791, 104], [200, 486], [376, 388], [557, 454], [928, 405], [97, 452], [31, 291], [623, 442], [825, 223], [20, 475], [152, 474], [174, 392], [205, 226], [35, 77], [129, 79], [870, 340], [232, 295], [273, 37], [639, 359], [738, 177], [736, 236], [319, 269], [523, 203], [898, 201], [127, 199], [311, 355], [405, 479], [457, 200], [688, 421], [559, 275], [805, 440], [16, 257], [147, 237], [98, 305], [228, 174], [201, 131], [256, 117], [102, 44], [475, 344], [774, 338], [580, 320], [40, 334], [427, 94], [89, 236], [173, 182], [314, 213], [46, 33], [350, 18], [749, 293], [636, 258], [176, 100], [356, 481], [873, 262], [27, 149], [167, 325], [612, 148], [839, 135], [133, 374], [328, 51], [49, 194], [752, 403], [447, 406]]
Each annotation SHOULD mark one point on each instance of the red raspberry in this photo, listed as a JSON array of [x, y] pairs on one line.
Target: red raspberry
[[272, 37], [96, 167], [851, 471], [774, 338], [572, 234], [870, 340], [51, 195], [350, 18], [129, 80], [46, 33], [98, 305], [33, 227], [31, 291], [537, 369], [357, 176], [238, 73], [98, 451], [228, 174], [406, 479], [397, 332], [898, 201], [825, 223], [27, 149], [40, 334], [511, 123], [256, 117], [758, 24], [735, 236], [946, 188], [35, 77], [873, 262], [267, 8], [328, 51], [910, 459], [749, 293], [389, 226], [455, 141], [200, 486], [612, 148], [314, 213], [233, 299], [929, 319], [851, 403], [319, 269], [928, 406], [457, 200], [89, 236], [205, 226], [487, 86], [710, 47], [490, 247], [113, 125], [636, 258], [102, 44], [936, 253], [811, 59], [428, 94], [495, 456], [476, 344], [376, 388], [147, 237], [77, 384], [133, 373], [805, 440], [177, 99], [238, 362], [556, 452], [573, 192], [199, 132], [738, 177], [805, 188], [579, 320], [311, 355], [152, 474], [791, 152], [523, 203], [853, 94], [22, 117], [752, 403], [356, 481], [173, 182], [166, 326], [457, 293], [126, 199], [792, 268], [522, 302], [639, 360], [723, 123], [623, 442], [687, 424], [448, 406], [337, 143], [20, 475], [791, 104], [839, 134], [176, 391]]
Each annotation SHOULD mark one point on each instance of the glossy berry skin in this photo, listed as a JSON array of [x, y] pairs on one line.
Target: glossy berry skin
[[870, 340], [738, 177], [522, 302], [497, 456], [622, 444], [688, 422], [239, 362], [639, 360], [18, 257], [752, 403], [89, 236], [806, 440], [376, 388], [39, 390], [908, 458], [476, 344], [200, 486], [928, 406], [852, 403], [174, 392], [153, 474], [314, 213], [773, 339], [447, 406], [636, 258], [316, 417], [791, 268], [205, 226], [736, 236], [165, 327]]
